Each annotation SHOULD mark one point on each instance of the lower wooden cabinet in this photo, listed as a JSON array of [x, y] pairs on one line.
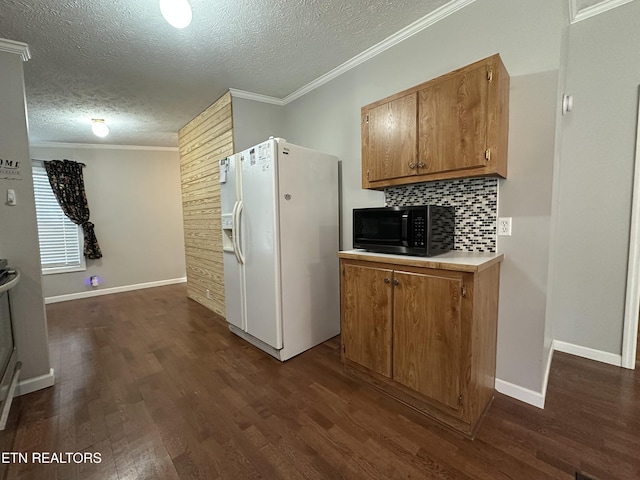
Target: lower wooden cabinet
[[426, 336], [366, 317]]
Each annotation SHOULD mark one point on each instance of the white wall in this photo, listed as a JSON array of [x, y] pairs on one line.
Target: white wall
[[254, 122], [595, 181], [18, 229], [528, 37], [526, 197], [136, 206]]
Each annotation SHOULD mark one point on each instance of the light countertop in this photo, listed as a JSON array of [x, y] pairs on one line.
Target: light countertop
[[12, 282], [453, 260]]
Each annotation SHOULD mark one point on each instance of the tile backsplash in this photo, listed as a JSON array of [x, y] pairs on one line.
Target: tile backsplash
[[476, 207]]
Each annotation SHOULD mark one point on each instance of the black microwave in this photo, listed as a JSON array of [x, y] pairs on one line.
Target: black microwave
[[423, 230]]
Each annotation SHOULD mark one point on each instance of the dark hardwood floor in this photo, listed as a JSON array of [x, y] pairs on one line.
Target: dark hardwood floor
[[158, 386]]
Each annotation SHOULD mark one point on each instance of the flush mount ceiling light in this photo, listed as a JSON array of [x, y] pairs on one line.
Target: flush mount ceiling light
[[176, 12], [99, 127]]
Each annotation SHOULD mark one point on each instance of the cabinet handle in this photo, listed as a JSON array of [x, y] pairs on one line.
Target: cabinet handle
[[412, 165], [396, 281], [386, 280], [420, 164]]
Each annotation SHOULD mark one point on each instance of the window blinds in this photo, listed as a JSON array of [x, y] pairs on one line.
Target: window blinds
[[59, 237]]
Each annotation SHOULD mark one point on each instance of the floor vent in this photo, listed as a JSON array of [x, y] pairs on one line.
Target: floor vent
[[580, 476]]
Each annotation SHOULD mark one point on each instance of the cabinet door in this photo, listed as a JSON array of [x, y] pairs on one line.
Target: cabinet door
[[427, 335], [366, 317], [392, 130], [452, 123]]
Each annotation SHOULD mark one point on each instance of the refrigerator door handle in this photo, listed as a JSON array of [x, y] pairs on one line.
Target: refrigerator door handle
[[234, 230], [239, 253]]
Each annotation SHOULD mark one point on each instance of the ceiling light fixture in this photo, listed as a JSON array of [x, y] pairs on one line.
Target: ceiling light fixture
[[176, 12], [99, 127]]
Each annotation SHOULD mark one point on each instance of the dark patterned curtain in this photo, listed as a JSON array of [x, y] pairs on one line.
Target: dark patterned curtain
[[67, 184]]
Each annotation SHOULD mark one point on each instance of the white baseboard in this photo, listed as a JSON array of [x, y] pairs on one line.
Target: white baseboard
[[36, 383], [525, 395], [108, 291], [520, 393], [545, 379], [590, 353], [537, 399]]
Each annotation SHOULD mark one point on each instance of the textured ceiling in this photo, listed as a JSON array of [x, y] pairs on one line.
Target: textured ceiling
[[119, 60]]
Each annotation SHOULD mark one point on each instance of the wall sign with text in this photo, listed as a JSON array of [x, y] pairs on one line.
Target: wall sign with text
[[10, 169]]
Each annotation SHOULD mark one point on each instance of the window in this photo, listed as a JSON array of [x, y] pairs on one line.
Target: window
[[61, 240]]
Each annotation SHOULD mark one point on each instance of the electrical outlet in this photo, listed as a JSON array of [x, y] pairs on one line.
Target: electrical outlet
[[504, 226]]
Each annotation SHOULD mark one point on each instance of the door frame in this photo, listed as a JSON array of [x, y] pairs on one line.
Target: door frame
[[632, 301]]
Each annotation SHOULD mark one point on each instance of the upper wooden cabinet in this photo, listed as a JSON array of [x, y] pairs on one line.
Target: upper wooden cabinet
[[453, 126], [392, 138]]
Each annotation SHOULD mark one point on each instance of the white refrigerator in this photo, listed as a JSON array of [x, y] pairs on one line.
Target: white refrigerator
[[279, 205]]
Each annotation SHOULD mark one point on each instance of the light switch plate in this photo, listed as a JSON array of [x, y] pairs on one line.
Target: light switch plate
[[11, 197]]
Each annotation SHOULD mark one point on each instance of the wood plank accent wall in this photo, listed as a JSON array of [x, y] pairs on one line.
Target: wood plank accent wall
[[202, 143]]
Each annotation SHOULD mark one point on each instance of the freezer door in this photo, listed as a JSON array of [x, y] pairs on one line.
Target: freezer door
[[259, 243], [233, 270]]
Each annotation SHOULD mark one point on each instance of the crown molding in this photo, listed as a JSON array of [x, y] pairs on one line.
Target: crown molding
[[605, 5], [20, 48], [573, 10], [99, 146], [416, 27], [255, 96]]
